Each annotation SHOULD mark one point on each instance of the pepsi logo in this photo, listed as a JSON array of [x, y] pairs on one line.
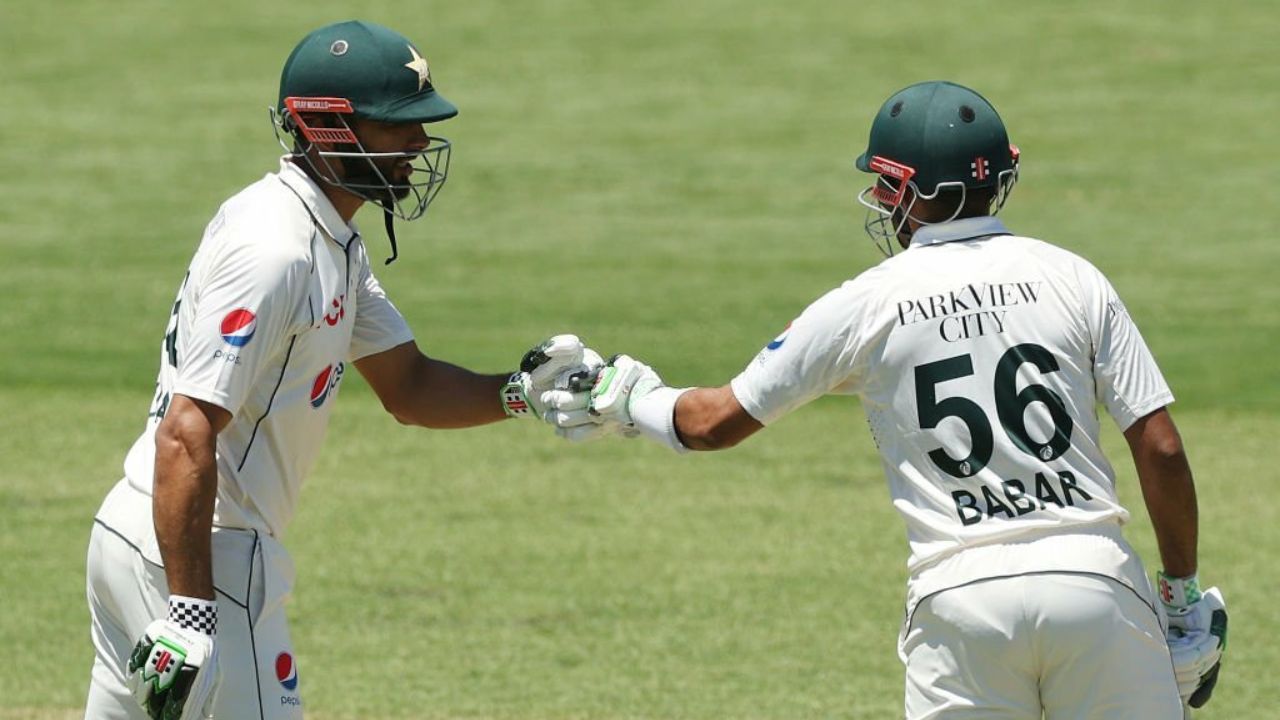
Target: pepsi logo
[[325, 384], [238, 327], [287, 671], [777, 342]]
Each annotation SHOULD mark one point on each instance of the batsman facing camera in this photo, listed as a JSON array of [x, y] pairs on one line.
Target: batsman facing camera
[[278, 304]]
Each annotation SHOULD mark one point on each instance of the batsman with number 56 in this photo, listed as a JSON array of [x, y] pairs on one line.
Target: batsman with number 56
[[981, 357]]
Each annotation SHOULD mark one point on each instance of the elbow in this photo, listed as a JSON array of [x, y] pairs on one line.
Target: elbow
[[1154, 439], [1167, 459], [1168, 450], [178, 435], [401, 411], [399, 414], [185, 450], [168, 439], [1164, 445]]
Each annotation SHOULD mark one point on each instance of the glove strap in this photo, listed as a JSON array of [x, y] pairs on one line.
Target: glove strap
[[195, 614], [1179, 593], [514, 400], [654, 415]]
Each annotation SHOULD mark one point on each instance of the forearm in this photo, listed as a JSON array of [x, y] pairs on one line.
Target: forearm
[[1174, 516], [445, 396], [712, 419], [418, 390], [186, 483], [1168, 491]]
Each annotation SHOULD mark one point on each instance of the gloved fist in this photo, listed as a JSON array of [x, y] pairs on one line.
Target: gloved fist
[[1197, 636], [570, 412], [547, 361], [619, 384], [607, 409], [571, 390], [173, 672], [554, 384]]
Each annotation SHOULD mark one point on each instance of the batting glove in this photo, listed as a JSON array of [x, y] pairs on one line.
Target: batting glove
[[174, 667], [1197, 635], [603, 409], [630, 396], [620, 383], [548, 360], [554, 377]]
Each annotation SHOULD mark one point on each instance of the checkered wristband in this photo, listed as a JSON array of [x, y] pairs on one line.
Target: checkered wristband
[[196, 614], [1178, 593]]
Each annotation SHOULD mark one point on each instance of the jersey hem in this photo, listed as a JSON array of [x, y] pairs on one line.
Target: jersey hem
[[1141, 410], [1098, 548], [753, 409]]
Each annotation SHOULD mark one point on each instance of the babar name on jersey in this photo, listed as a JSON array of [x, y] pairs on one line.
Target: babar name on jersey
[[975, 310], [1017, 498], [1012, 400]]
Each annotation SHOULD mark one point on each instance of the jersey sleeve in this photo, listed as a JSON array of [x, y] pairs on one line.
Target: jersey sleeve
[[815, 355], [379, 325], [243, 303], [1128, 382]]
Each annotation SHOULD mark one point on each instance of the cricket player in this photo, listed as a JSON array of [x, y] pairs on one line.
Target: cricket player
[[187, 576], [981, 357]]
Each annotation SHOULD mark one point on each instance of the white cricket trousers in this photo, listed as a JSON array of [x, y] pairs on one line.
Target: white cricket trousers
[[252, 575], [1056, 645]]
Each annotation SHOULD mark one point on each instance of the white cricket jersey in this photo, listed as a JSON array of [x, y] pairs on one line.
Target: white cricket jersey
[[276, 303], [980, 358]]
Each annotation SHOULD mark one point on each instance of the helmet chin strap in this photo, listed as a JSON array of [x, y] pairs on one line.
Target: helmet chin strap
[[389, 223]]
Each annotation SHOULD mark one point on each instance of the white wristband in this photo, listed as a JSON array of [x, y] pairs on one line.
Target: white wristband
[[654, 415]]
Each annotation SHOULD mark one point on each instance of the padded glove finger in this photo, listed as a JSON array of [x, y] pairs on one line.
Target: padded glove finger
[[550, 358]]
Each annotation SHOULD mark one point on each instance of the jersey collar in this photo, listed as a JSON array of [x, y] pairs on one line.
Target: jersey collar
[[965, 229], [317, 204]]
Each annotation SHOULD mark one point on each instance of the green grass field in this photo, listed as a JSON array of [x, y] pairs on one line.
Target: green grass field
[[670, 179]]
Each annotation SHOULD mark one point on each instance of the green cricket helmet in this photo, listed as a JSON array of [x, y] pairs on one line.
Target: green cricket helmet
[[926, 138], [375, 69], [358, 69]]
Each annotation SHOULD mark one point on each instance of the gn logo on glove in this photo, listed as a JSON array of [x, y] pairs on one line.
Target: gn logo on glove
[[173, 672], [515, 398], [161, 665]]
